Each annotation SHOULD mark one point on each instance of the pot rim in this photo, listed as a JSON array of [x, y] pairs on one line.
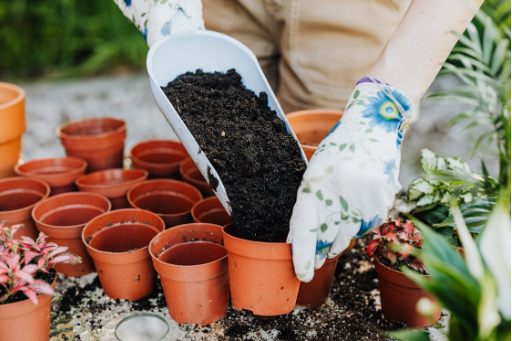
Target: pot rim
[[63, 135], [308, 112], [48, 190], [396, 273], [256, 242], [144, 175], [68, 194], [155, 164], [18, 99], [202, 201], [188, 177], [78, 170], [197, 266]]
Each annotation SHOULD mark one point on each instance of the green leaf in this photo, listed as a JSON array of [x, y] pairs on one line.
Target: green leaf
[[328, 202], [355, 220], [475, 214], [360, 102], [369, 130], [319, 195], [352, 148], [344, 204], [410, 335], [315, 230], [323, 227], [356, 94], [373, 140], [332, 143], [342, 146], [306, 190]]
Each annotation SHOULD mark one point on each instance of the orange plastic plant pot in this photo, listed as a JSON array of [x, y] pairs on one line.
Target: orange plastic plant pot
[[172, 200], [399, 297], [99, 141], [261, 275], [161, 158], [118, 243], [63, 217], [195, 281], [18, 196], [311, 126], [210, 211], [191, 174]]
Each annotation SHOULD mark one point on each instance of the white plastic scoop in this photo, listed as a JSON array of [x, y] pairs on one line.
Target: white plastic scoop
[[210, 51]]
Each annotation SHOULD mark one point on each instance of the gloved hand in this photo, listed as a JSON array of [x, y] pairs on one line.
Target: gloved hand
[[352, 179], [153, 17]]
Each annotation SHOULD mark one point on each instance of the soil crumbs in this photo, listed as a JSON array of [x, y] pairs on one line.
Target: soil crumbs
[[257, 160], [352, 312]]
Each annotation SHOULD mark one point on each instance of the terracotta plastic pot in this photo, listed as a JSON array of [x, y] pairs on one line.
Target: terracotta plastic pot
[[18, 196], [191, 174], [399, 296], [99, 141], [161, 158], [23, 320], [210, 210], [172, 200], [261, 275], [314, 294], [194, 278], [311, 126], [63, 218], [112, 183], [12, 126], [59, 173], [118, 244]]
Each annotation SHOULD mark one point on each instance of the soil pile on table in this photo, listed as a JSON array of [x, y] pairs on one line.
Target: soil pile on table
[[258, 162]]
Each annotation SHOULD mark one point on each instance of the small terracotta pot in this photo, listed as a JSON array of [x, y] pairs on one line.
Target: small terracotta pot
[[191, 174], [99, 141], [210, 211], [399, 296], [12, 126], [18, 196], [172, 200], [161, 158], [261, 275], [23, 320], [118, 244], [314, 294], [194, 278], [59, 173], [311, 126], [186, 233], [112, 183], [63, 218]]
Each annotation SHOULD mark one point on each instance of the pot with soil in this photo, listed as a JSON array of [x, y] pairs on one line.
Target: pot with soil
[[194, 277], [18, 196], [12, 118], [63, 217], [59, 173], [99, 141], [112, 183], [161, 158], [211, 211], [118, 244], [311, 126], [191, 174], [314, 293], [172, 200]]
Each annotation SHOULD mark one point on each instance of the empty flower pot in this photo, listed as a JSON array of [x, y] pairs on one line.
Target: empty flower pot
[[161, 158], [172, 200], [187, 233], [314, 293], [18, 196], [112, 183], [63, 217], [194, 278], [118, 243], [210, 211], [311, 126], [12, 126], [60, 173], [261, 275], [191, 174], [99, 141], [399, 297]]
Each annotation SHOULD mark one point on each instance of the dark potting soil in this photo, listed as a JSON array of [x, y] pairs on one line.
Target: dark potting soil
[[258, 162], [20, 296]]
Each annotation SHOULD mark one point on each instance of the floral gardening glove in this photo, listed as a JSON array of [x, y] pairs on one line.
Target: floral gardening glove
[[352, 179], [153, 17]]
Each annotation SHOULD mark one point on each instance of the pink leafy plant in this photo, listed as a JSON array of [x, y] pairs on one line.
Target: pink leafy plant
[[21, 260], [393, 244]]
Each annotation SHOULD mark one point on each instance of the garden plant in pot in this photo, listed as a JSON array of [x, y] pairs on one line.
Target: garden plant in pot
[[27, 282], [394, 246]]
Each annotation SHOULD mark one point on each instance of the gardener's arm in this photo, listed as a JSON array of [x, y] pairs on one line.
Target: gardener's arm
[[352, 179]]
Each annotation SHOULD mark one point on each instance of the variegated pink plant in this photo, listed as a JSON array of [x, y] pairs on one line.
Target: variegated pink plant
[[393, 242], [20, 260]]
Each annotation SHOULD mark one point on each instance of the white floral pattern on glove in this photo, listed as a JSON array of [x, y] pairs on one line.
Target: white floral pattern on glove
[[350, 183], [153, 17]]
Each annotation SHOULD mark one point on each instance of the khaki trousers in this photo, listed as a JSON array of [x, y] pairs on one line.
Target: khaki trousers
[[312, 52]]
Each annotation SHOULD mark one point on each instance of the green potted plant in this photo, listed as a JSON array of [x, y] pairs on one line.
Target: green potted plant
[[27, 282]]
